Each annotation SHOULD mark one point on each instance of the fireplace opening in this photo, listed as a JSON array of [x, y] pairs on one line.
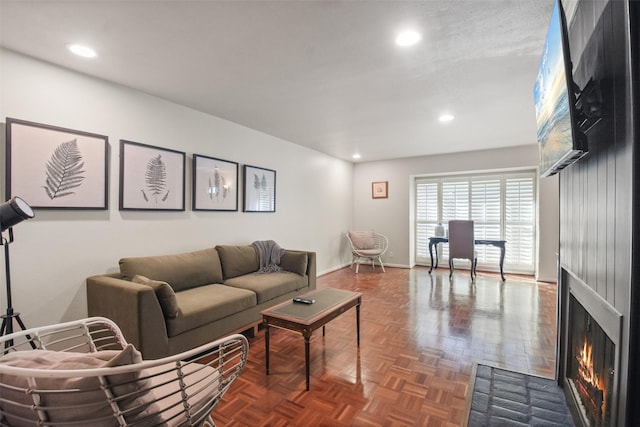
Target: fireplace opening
[[591, 365]]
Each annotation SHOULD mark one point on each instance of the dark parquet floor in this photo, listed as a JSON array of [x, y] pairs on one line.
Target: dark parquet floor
[[420, 336]]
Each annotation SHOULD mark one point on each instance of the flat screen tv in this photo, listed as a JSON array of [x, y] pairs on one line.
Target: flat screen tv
[[560, 141]]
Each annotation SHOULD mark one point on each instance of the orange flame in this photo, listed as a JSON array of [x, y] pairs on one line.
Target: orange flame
[[586, 365], [587, 372]]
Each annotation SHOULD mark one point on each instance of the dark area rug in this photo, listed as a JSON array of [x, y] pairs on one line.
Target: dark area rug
[[507, 398]]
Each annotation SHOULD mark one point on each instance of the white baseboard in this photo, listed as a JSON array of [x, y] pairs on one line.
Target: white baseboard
[[331, 270], [397, 265], [340, 267]]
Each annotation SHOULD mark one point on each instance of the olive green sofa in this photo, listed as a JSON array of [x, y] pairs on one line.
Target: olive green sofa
[[167, 304]]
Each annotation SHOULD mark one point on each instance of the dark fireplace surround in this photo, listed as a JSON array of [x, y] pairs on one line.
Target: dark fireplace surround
[[589, 371], [599, 221]]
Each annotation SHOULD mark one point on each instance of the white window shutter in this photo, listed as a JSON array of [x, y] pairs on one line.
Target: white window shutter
[[486, 204], [520, 222], [455, 199], [427, 209]]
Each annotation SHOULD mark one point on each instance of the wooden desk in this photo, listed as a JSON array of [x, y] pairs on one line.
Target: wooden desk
[[433, 241]]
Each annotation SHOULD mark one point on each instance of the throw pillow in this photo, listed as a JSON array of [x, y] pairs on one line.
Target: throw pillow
[[165, 294], [82, 399], [362, 239], [295, 261]]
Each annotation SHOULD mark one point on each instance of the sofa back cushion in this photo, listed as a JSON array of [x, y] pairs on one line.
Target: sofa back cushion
[[181, 271], [295, 261], [238, 260]]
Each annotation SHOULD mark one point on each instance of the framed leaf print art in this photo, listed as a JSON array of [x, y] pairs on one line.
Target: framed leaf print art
[[215, 184], [56, 168], [259, 189], [151, 178]]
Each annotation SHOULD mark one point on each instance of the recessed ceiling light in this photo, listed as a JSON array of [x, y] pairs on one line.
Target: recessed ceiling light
[[356, 156], [408, 38], [446, 118], [80, 50]]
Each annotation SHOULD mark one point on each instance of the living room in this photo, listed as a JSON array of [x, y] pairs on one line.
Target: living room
[[319, 197]]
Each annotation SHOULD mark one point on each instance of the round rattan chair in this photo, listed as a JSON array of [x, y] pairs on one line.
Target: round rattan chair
[[367, 245]]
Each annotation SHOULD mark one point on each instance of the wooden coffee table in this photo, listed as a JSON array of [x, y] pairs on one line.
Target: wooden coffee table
[[303, 318]]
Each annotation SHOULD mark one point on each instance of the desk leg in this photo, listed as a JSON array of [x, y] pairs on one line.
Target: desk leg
[[358, 321], [502, 249], [431, 255], [306, 357], [266, 345]]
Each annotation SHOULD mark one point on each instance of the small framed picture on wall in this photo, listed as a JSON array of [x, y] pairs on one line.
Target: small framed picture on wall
[[380, 189]]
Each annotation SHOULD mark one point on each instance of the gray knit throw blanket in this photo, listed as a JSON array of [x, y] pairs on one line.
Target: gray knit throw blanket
[[269, 253]]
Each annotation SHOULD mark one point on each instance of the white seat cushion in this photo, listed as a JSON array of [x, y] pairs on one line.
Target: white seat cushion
[[369, 252], [201, 383]]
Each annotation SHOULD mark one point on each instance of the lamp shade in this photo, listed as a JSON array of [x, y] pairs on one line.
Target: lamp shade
[[14, 211]]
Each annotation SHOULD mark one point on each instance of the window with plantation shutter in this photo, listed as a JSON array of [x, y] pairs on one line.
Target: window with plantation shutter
[[455, 204], [486, 213], [455, 200], [502, 206], [427, 208], [519, 222]]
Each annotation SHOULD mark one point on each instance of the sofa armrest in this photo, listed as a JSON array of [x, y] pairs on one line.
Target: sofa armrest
[[311, 269], [134, 308]]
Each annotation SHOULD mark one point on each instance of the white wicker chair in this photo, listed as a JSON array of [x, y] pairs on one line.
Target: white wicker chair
[[179, 390], [367, 245]]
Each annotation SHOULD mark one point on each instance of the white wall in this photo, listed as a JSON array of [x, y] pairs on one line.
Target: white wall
[[549, 224], [54, 253], [391, 216]]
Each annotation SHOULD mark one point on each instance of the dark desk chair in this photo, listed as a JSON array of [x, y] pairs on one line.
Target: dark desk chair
[[462, 244]]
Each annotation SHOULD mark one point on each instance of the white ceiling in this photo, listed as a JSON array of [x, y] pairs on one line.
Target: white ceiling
[[322, 74]]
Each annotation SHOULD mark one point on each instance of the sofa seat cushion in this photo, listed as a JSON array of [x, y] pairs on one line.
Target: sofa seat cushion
[[268, 286], [180, 271], [206, 304]]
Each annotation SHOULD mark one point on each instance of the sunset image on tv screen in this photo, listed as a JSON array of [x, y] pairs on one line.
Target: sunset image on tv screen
[[551, 98]]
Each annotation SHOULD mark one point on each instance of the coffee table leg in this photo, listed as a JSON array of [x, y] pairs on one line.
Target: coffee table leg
[[322, 330], [266, 345], [306, 357], [358, 321]]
